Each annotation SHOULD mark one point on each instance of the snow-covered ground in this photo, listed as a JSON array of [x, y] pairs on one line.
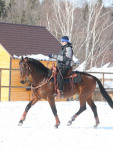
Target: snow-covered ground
[[38, 133]]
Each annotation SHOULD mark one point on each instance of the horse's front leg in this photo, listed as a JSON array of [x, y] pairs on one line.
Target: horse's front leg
[[54, 110], [31, 103]]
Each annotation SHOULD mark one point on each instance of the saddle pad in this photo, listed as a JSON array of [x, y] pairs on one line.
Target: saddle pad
[[76, 79]]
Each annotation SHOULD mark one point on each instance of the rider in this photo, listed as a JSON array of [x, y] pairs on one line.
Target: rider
[[63, 62]]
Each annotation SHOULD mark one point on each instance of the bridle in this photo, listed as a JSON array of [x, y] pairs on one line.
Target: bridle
[[27, 71]]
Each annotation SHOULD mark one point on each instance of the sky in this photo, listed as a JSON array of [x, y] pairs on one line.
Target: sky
[[106, 2]]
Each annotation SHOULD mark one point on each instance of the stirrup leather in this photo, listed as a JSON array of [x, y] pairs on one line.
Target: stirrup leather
[[59, 94]]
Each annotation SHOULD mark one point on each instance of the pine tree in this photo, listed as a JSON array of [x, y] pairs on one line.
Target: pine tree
[[2, 7]]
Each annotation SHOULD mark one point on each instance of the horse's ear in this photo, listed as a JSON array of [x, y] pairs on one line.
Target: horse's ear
[[21, 58], [26, 59]]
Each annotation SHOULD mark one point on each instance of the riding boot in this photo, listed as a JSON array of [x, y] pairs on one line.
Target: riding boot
[[60, 94]]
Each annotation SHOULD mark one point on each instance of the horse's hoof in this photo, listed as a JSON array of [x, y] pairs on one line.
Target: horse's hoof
[[56, 125], [69, 123], [97, 123], [95, 126], [20, 123]]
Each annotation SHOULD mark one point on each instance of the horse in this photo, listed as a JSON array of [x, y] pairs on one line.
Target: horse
[[43, 88]]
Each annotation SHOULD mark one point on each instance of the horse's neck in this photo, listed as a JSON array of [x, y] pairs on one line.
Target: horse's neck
[[37, 78]]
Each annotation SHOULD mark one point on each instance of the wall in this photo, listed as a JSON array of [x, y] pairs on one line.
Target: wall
[[4, 63], [17, 93], [14, 91]]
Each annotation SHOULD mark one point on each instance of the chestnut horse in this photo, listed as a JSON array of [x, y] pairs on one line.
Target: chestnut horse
[[43, 88]]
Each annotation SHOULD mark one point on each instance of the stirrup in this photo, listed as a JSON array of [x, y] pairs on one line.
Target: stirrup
[[60, 94]]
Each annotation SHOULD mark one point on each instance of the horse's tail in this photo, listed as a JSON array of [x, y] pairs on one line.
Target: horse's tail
[[102, 89]]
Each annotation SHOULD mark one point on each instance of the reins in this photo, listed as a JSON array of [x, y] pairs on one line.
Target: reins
[[39, 86]]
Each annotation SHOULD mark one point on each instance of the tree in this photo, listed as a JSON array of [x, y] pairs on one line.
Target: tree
[[66, 19], [31, 12], [22, 12], [63, 18], [2, 7], [97, 26], [45, 11]]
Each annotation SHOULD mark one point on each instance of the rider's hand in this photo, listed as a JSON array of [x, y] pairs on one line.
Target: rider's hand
[[51, 55]]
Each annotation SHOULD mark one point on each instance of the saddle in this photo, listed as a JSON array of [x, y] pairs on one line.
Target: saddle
[[71, 77]]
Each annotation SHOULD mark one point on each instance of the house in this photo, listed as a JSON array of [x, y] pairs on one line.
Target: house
[[17, 40]]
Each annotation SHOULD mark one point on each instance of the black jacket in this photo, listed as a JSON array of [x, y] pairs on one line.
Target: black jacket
[[65, 56]]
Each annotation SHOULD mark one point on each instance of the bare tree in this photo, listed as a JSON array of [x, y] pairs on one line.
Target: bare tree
[[67, 20], [63, 18], [22, 11], [97, 25], [2, 7]]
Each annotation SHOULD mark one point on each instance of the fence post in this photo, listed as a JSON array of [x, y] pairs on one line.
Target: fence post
[[10, 78], [103, 79], [0, 84]]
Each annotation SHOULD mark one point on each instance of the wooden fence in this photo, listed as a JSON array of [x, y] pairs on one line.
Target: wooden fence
[[9, 86]]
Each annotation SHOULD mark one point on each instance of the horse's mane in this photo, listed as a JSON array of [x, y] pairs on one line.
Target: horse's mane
[[39, 66]]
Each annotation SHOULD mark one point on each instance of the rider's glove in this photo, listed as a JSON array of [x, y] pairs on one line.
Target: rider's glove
[[52, 56]]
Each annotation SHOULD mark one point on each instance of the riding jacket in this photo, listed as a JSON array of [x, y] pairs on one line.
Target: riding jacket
[[64, 57]]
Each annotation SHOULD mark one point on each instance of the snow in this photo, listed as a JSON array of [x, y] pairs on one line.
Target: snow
[[81, 66], [75, 60], [36, 56], [38, 133], [106, 69], [43, 57]]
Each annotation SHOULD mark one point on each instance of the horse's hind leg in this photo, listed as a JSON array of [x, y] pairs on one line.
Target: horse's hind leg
[[94, 109], [82, 108], [31, 103]]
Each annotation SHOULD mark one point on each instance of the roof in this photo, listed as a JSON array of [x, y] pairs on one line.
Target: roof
[[26, 40]]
